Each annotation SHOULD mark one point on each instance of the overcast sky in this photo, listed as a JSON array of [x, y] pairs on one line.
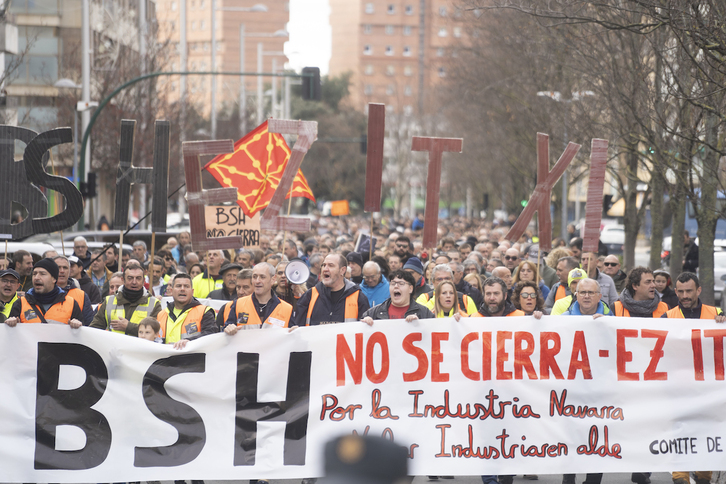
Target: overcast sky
[[309, 28]]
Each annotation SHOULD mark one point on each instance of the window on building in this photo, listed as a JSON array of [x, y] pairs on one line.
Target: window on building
[[407, 91], [368, 69], [408, 110], [173, 6], [409, 10], [206, 47], [440, 52], [368, 50], [389, 50], [407, 51], [442, 72], [442, 11], [194, 26], [390, 70], [368, 90], [391, 9], [390, 30], [367, 29], [201, 4], [443, 32], [201, 25], [457, 32], [407, 30], [390, 89], [407, 71], [369, 8]]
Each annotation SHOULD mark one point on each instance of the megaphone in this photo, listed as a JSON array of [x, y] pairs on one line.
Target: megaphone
[[297, 271]]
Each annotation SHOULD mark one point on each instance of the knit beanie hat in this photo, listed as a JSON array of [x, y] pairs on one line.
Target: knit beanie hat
[[49, 265], [414, 263]]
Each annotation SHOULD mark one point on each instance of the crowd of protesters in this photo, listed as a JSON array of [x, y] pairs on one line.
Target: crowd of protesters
[[472, 272]]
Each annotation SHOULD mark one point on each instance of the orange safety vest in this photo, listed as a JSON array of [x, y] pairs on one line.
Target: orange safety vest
[[58, 313], [78, 295], [561, 292], [226, 309], [192, 322], [246, 307], [351, 307], [516, 312], [707, 312], [621, 311]]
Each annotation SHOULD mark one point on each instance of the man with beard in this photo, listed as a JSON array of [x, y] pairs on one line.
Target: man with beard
[[403, 248], [184, 318], [262, 309], [123, 311], [639, 299], [24, 266], [45, 302], [71, 288], [495, 301], [334, 299], [688, 290], [612, 268], [400, 305]]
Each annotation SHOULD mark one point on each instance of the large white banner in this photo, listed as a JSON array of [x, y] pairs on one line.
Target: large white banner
[[482, 396]]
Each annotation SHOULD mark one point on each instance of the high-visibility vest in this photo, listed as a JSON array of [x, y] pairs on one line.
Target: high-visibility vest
[[57, 313], [622, 311], [187, 324], [78, 295], [707, 312], [351, 307], [561, 292], [116, 311], [204, 285], [466, 304], [247, 317], [9, 305], [516, 312], [225, 310]]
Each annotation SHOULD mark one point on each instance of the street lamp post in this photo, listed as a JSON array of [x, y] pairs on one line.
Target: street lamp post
[[557, 96]]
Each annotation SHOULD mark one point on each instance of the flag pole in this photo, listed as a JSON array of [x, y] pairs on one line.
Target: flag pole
[[121, 248], [151, 261]]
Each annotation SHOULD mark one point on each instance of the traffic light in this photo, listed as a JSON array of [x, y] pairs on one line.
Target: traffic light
[[311, 89], [88, 188]]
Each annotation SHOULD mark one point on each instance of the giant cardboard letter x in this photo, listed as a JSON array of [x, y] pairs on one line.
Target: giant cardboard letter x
[[540, 199]]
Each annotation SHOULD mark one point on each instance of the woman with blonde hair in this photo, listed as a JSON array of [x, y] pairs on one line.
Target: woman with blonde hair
[[557, 254], [476, 281], [446, 304], [528, 271]]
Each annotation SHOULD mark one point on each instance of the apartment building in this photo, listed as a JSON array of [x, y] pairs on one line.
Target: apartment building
[[397, 50]]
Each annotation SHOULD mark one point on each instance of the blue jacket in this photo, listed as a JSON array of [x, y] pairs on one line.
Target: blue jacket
[[376, 295], [574, 310]]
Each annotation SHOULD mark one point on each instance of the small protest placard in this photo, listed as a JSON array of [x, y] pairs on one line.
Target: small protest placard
[[230, 220]]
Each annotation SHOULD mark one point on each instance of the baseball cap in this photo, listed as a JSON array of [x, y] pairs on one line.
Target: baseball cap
[[576, 274], [10, 272]]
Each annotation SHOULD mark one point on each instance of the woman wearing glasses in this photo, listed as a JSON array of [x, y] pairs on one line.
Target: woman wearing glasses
[[527, 298]]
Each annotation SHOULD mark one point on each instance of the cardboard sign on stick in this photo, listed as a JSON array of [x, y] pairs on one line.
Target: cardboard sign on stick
[[197, 198], [593, 209], [307, 132], [435, 147], [128, 174], [540, 199], [374, 156], [226, 220]]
